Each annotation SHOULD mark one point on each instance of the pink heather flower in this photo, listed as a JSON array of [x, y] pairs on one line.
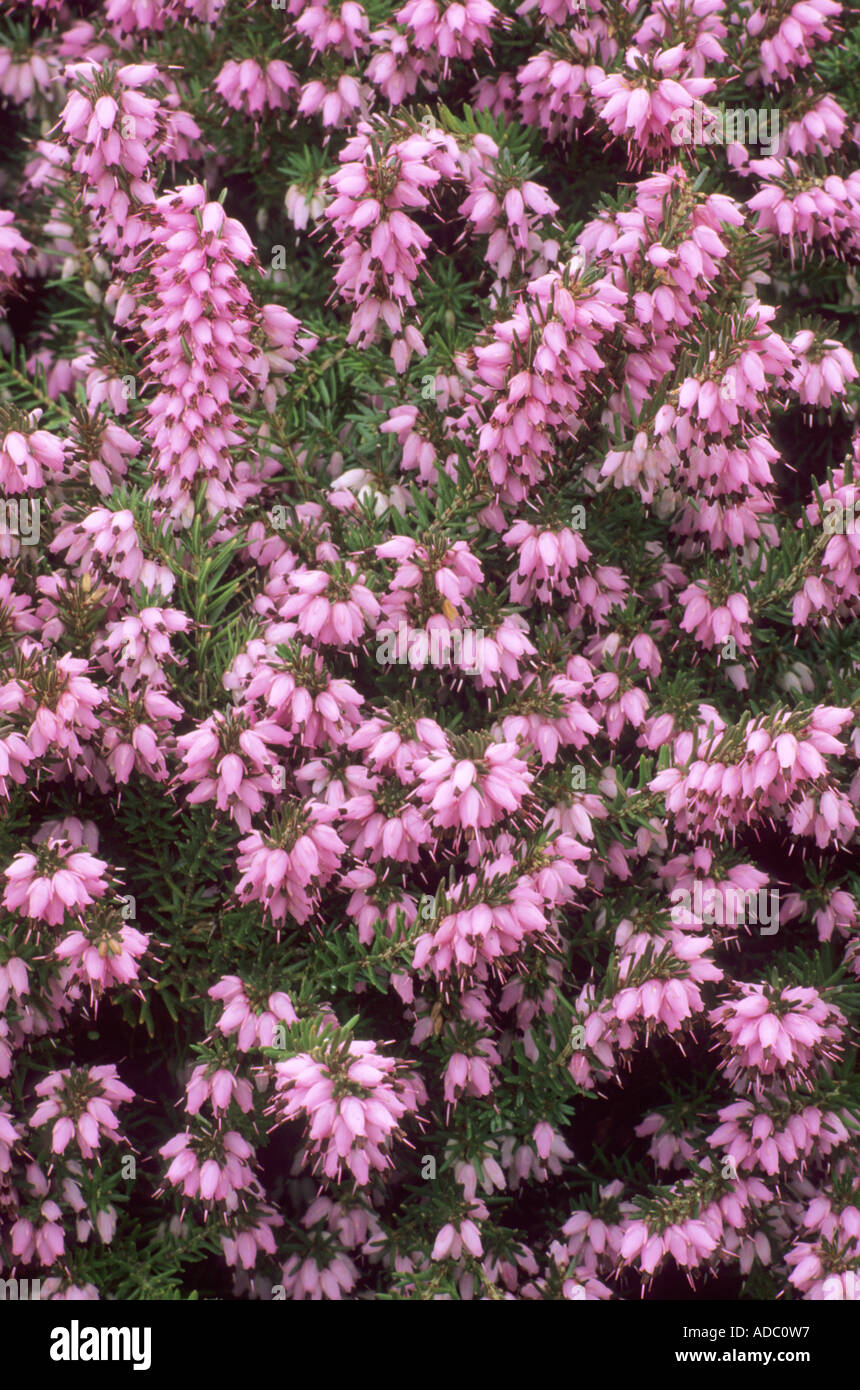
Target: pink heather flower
[[231, 762], [254, 1023], [213, 1168], [553, 94], [557, 329], [135, 733], [104, 955], [772, 769], [838, 578], [24, 76], [246, 86], [473, 793], [209, 1082], [689, 1242], [377, 826], [667, 1149], [13, 249], [704, 29], [14, 981], [344, 30], [513, 220], [14, 757], [802, 212], [305, 203], [418, 450], [824, 368], [104, 447], [498, 95], [59, 1291], [492, 922], [711, 624], [193, 295], [353, 1223], [825, 1268], [805, 23], [717, 404], [820, 130], [10, 1136], [353, 1101], [827, 815], [102, 388], [16, 610], [791, 1033], [487, 1170], [623, 703], [452, 576], [129, 15], [140, 645], [524, 1164], [369, 903], [64, 714], [56, 879], [28, 461], [302, 852], [396, 749], [82, 834], [112, 138], [372, 188], [41, 1237], [107, 542], [470, 1075], [757, 1140], [564, 721], [646, 465], [330, 609], [394, 66], [249, 1240], [648, 99], [499, 652], [546, 561], [301, 696], [452, 31], [838, 912], [335, 98], [315, 1280], [665, 1002], [81, 1103], [453, 1242]]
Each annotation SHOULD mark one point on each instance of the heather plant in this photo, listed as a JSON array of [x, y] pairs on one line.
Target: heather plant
[[429, 691]]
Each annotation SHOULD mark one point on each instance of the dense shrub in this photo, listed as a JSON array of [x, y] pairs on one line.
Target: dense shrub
[[429, 742]]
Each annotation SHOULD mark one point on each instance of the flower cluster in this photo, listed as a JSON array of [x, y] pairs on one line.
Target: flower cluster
[[429, 743]]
